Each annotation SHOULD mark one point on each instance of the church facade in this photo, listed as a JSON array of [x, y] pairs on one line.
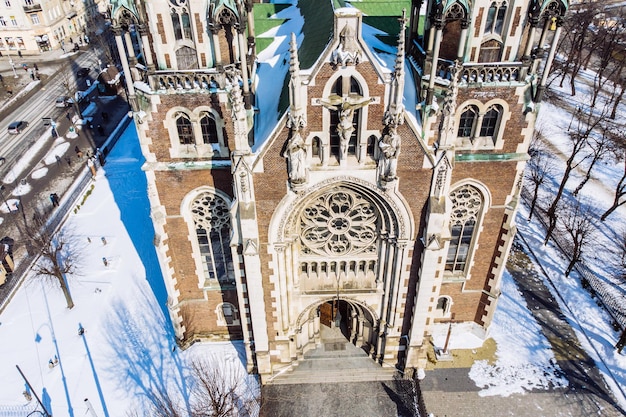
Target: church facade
[[381, 201]]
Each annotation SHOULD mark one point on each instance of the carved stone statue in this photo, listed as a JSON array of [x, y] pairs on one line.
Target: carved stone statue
[[389, 146], [296, 155], [348, 50], [346, 115]]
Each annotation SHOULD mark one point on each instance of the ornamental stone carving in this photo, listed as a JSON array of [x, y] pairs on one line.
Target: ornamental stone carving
[[210, 212], [339, 223]]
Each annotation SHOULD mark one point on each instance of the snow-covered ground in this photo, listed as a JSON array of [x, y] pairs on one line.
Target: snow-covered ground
[[127, 351]]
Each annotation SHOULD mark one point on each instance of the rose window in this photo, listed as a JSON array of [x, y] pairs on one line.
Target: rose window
[[339, 223]]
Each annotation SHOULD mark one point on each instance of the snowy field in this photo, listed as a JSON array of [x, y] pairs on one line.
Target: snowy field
[[126, 355]]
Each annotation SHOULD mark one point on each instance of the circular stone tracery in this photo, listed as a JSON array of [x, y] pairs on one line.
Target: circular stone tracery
[[210, 212], [339, 223]]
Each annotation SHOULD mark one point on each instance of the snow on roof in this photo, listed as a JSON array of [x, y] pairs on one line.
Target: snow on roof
[[273, 66]]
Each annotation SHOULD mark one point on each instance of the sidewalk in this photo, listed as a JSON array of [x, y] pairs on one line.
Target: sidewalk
[[450, 391], [15, 82]]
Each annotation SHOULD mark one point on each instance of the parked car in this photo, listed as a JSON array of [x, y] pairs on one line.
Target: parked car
[[82, 72], [17, 127], [63, 101]]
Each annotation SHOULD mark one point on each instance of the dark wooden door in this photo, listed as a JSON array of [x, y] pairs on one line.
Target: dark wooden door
[[326, 314]]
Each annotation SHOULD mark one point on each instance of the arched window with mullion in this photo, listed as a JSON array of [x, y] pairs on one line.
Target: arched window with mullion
[[211, 219], [184, 129], [466, 122], [467, 203], [495, 18]]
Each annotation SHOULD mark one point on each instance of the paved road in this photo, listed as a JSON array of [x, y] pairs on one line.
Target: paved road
[[34, 183]]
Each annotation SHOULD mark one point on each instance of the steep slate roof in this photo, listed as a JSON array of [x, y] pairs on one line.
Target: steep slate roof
[[273, 62]]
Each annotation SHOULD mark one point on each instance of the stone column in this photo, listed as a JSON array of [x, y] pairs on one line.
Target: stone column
[[243, 58], [463, 40], [216, 45], [549, 60], [542, 40], [129, 79], [433, 70], [145, 46], [283, 267]]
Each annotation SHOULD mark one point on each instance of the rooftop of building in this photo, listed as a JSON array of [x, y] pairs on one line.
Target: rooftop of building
[[312, 23]]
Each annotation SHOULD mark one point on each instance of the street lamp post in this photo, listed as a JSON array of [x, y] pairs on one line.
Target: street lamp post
[[46, 413], [13, 67]]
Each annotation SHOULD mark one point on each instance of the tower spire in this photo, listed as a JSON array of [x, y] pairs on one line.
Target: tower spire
[[297, 117], [395, 113]]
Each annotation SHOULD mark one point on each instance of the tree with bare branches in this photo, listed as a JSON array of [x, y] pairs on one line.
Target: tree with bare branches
[[577, 37], [58, 253], [620, 190], [587, 122], [608, 39], [216, 392], [600, 145], [578, 225], [540, 167]]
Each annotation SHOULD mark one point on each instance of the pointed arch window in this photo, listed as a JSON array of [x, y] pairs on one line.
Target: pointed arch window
[[178, 33], [467, 121], [371, 146], [316, 148], [181, 24], [208, 128], [186, 23], [344, 88], [467, 204], [490, 123], [184, 129], [211, 219], [495, 18]]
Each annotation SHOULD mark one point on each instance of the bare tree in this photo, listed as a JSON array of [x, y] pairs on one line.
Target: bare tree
[[217, 392], [579, 139], [578, 225], [58, 253], [620, 190], [68, 81], [608, 38], [539, 168], [576, 39], [600, 146]]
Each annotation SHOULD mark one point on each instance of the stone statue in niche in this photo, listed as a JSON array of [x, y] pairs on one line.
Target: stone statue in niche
[[389, 147], [296, 156], [348, 51], [346, 109]]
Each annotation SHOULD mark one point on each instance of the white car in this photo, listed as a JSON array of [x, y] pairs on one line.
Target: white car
[[63, 101]]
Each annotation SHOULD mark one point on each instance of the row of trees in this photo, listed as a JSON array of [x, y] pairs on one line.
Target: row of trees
[[596, 42]]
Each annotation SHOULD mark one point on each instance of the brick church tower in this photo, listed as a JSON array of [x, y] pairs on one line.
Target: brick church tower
[[380, 202]]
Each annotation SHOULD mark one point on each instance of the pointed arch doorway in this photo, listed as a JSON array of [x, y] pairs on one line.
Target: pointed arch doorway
[[346, 319]]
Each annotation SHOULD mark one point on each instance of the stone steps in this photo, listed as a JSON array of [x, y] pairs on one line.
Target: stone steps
[[334, 360], [335, 375]]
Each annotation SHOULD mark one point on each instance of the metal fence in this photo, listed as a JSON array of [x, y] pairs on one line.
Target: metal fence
[[30, 409]]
